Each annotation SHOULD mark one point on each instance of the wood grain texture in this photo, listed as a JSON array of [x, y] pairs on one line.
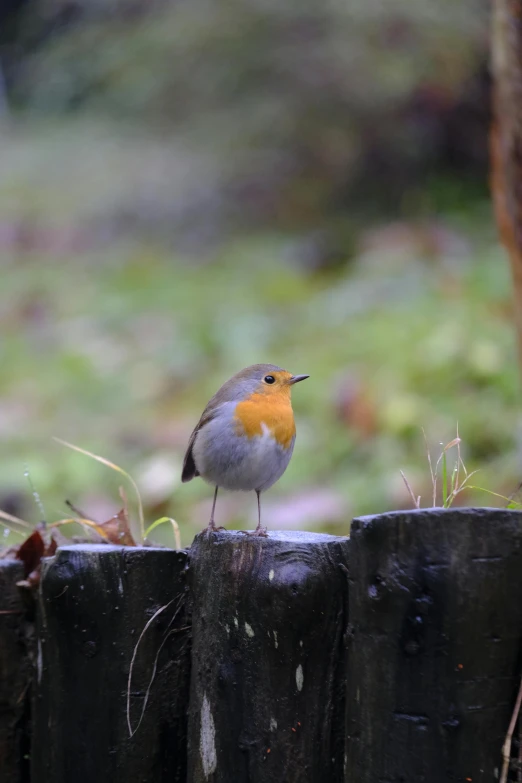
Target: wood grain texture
[[267, 690], [15, 676], [435, 647], [94, 603]]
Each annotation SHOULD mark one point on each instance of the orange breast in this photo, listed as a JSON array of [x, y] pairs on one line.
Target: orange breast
[[273, 410]]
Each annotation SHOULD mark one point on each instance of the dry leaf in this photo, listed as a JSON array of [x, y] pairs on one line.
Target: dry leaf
[[31, 552], [117, 529]]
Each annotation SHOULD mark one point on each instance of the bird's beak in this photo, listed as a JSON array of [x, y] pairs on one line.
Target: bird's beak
[[297, 378]]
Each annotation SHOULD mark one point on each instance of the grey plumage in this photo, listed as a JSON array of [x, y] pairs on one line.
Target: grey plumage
[[241, 465], [244, 464]]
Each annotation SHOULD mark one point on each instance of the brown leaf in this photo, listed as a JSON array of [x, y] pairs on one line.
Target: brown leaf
[[31, 552], [52, 546], [117, 529]]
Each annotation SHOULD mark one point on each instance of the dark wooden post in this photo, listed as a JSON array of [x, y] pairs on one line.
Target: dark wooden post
[[94, 603], [435, 656], [15, 676], [267, 690]]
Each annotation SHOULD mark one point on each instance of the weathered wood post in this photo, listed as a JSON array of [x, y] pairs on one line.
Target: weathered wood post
[[435, 652], [94, 603], [15, 676], [267, 690]]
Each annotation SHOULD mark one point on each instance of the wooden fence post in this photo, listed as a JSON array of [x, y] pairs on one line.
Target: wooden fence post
[[267, 690], [94, 603], [15, 677], [435, 656]]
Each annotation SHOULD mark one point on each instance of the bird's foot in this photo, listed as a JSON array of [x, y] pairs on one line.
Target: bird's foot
[[260, 532], [211, 528]]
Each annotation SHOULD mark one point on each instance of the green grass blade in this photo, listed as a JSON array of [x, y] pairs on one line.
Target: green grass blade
[[113, 466], [513, 505], [175, 528]]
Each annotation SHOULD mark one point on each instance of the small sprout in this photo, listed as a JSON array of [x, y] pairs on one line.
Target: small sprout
[[454, 480]]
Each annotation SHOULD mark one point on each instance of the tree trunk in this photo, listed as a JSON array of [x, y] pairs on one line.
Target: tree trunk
[[267, 691], [435, 608], [506, 138], [94, 603]]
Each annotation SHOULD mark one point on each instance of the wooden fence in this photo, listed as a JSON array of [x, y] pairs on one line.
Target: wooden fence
[[391, 657]]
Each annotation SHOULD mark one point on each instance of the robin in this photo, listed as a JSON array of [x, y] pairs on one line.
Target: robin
[[246, 434]]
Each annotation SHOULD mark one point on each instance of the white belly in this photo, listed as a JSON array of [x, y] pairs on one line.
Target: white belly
[[236, 462]]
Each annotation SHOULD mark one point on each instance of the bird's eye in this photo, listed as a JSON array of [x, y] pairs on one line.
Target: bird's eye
[[269, 379]]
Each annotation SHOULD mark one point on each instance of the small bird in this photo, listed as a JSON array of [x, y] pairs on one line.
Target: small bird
[[246, 434]]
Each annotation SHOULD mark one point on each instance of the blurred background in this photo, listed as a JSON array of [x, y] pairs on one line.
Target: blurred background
[[190, 187]]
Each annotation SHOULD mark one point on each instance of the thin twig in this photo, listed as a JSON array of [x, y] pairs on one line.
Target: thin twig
[[464, 484], [459, 460], [15, 520], [506, 747], [129, 681], [433, 476], [35, 494], [152, 676], [519, 770], [416, 501], [514, 493], [78, 511], [117, 468]]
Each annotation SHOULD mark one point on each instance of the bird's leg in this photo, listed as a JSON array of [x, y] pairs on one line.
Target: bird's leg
[[212, 525], [259, 531]]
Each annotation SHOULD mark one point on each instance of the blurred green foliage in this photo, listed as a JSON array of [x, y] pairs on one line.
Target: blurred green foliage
[[191, 188], [119, 352]]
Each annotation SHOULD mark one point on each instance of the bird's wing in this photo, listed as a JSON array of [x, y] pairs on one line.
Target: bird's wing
[[189, 466], [227, 393]]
